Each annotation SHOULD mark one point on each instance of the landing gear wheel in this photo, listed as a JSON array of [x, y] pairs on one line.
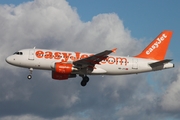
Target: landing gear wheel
[[84, 81], [29, 77]]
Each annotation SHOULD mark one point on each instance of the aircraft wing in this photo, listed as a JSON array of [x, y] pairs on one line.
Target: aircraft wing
[[90, 61]]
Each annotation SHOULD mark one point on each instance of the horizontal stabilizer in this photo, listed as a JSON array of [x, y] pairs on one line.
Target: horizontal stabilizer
[[159, 63]]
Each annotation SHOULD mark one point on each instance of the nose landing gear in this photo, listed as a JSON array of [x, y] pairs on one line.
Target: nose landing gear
[[30, 75]]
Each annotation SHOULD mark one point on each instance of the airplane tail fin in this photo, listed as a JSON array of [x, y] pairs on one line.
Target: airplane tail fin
[[156, 50]]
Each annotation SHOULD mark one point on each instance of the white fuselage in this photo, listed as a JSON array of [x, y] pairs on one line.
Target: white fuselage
[[112, 65]]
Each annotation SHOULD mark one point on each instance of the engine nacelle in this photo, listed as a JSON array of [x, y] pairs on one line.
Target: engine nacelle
[[62, 71], [63, 68], [59, 76]]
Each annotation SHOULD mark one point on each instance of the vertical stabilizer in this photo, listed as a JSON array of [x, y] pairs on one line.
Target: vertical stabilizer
[[157, 49]]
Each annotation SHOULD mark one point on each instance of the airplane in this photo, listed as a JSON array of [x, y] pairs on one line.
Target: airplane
[[65, 64]]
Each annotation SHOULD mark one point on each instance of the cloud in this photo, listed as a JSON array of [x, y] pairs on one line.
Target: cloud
[[170, 100], [32, 117], [54, 24]]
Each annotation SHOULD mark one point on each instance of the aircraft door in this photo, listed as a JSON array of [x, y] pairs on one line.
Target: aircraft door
[[134, 63], [31, 54]]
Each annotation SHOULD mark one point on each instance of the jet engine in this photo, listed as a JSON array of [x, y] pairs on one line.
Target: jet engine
[[62, 71], [63, 68]]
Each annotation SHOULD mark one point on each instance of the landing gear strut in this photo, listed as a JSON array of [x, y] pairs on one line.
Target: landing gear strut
[[85, 80], [30, 75]]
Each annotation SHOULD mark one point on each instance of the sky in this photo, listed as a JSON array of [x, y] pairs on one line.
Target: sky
[[88, 26]]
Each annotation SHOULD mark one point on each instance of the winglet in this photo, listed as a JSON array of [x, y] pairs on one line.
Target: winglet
[[156, 50], [114, 50]]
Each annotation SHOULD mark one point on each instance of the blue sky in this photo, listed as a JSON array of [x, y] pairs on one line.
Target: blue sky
[[142, 93], [14, 2]]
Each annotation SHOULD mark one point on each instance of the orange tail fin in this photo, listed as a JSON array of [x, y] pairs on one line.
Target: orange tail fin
[[156, 50]]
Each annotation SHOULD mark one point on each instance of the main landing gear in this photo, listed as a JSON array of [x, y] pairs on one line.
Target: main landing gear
[[85, 80], [30, 75]]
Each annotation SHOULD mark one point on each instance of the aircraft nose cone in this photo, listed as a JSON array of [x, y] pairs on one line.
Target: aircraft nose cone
[[8, 60]]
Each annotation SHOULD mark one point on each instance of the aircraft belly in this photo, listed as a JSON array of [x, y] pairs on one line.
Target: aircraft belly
[[115, 69], [45, 64], [98, 70], [124, 69], [37, 64]]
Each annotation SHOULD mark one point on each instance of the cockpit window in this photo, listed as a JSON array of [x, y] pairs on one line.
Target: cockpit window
[[18, 53]]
